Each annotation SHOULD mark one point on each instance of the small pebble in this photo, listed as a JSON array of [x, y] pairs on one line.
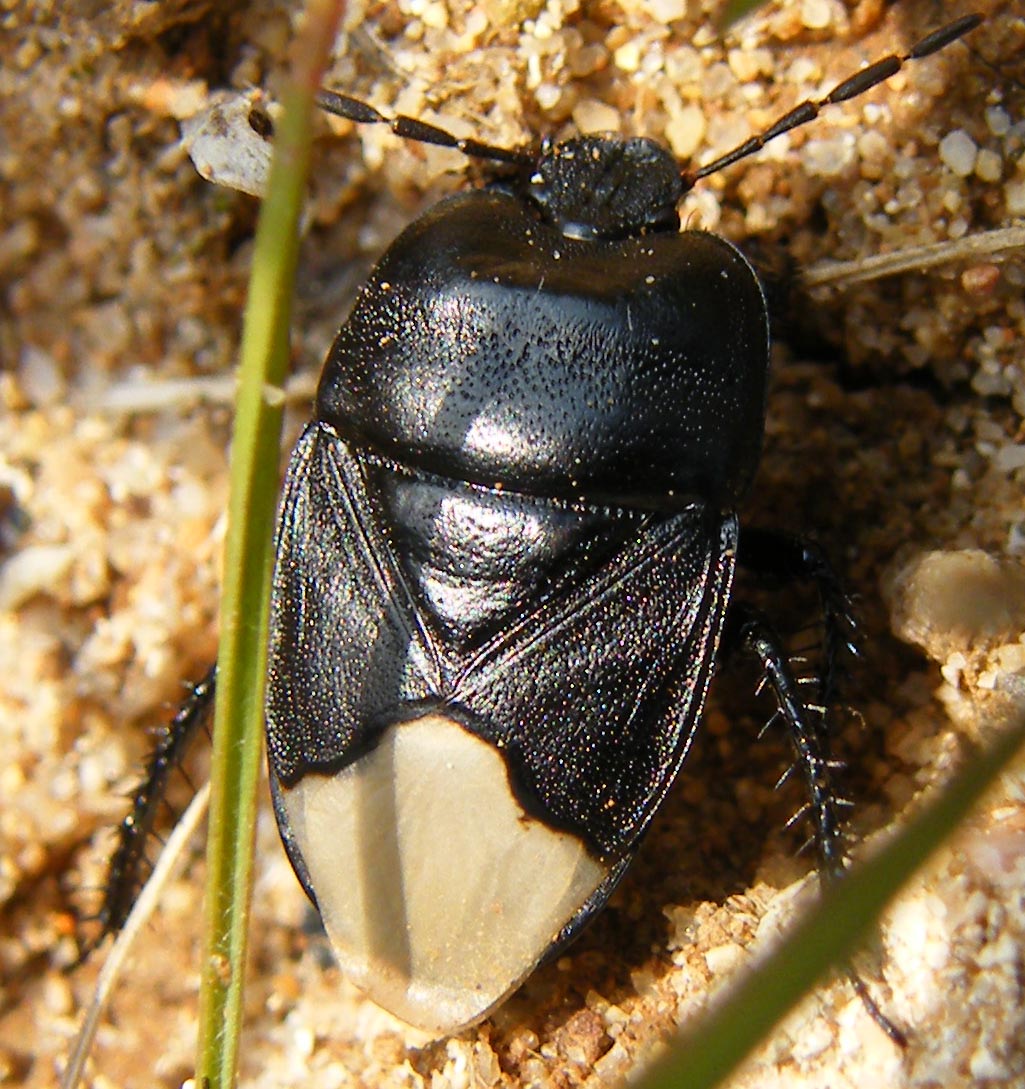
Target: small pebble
[[958, 152]]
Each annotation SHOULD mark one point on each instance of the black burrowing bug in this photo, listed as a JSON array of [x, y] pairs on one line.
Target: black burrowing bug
[[505, 558]]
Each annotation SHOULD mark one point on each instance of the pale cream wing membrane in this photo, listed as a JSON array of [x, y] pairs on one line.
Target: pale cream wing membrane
[[438, 892]]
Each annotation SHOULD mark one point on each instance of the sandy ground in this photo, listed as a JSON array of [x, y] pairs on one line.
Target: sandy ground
[[895, 430]]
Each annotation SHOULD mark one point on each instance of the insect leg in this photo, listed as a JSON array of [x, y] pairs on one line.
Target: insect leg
[[748, 630], [786, 556], [127, 864]]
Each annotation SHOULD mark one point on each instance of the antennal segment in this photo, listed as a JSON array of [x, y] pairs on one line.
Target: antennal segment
[[411, 128], [850, 88]]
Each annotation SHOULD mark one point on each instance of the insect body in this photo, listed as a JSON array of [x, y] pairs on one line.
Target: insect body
[[506, 548], [505, 559]]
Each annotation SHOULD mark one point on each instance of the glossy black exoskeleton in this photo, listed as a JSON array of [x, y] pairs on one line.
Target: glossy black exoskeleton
[[511, 528], [505, 557]]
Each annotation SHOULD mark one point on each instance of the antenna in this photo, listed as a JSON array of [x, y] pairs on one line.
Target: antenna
[[411, 128], [850, 88]]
